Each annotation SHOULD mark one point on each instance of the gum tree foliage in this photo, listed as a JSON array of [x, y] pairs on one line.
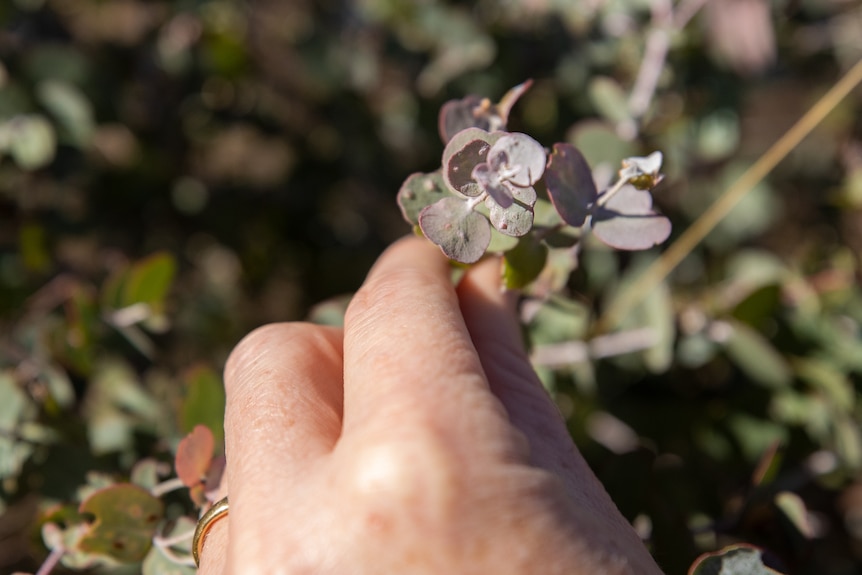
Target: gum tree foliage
[[173, 174], [487, 185]]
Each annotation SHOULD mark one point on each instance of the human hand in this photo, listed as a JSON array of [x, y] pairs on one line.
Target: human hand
[[418, 439]]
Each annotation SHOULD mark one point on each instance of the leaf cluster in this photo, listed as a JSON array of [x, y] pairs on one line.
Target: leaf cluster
[[487, 185]]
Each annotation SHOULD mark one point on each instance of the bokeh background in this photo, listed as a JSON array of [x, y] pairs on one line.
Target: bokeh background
[[174, 174]]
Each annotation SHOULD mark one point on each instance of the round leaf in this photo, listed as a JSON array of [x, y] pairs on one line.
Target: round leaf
[[570, 184], [628, 222], [126, 517], [461, 233], [523, 159], [418, 191], [517, 219], [194, 454], [467, 149]]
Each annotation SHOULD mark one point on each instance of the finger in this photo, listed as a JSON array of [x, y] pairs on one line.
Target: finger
[[283, 413], [495, 329], [407, 353], [214, 551]]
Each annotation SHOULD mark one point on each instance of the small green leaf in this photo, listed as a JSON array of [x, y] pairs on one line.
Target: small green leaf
[[149, 281], [204, 402], [793, 508], [738, 559], [524, 263], [831, 382], [609, 99], [419, 191], [31, 141], [126, 518], [71, 109], [460, 232], [755, 356]]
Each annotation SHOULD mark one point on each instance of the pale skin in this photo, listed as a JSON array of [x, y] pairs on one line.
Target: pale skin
[[417, 439]]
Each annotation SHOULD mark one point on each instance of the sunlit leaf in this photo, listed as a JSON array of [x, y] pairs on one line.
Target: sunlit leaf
[[30, 141], [194, 454], [418, 191], [126, 517], [793, 508], [570, 184], [628, 222], [467, 149], [461, 233], [476, 112], [520, 158], [732, 560], [517, 219]]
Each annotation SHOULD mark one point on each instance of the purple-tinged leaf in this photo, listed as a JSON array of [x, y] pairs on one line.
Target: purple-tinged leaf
[[475, 112], [517, 219], [628, 222], [462, 154], [491, 182], [418, 191], [457, 115], [570, 184], [518, 158], [460, 232]]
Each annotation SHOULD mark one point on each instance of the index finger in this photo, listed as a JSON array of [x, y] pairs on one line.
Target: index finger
[[408, 356]]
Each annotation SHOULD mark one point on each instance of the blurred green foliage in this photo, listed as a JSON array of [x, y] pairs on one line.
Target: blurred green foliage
[[173, 174]]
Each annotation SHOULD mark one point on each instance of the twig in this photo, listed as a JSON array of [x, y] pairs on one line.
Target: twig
[[572, 352], [52, 560], [167, 486], [665, 21], [661, 267]]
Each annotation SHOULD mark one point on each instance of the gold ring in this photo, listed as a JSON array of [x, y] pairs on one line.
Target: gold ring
[[216, 511]]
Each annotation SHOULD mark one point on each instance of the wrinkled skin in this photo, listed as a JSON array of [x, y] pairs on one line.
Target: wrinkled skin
[[416, 440]]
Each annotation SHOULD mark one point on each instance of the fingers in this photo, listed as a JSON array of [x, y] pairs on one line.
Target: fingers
[[489, 316], [283, 412], [408, 357]]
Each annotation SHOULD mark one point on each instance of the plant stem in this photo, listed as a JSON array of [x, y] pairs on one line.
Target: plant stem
[[609, 193], [167, 486], [473, 202], [52, 560]]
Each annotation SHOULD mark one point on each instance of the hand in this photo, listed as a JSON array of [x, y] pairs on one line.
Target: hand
[[416, 440]]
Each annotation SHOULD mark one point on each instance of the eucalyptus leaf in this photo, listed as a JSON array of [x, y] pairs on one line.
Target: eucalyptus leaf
[[516, 219], [570, 184], [628, 222], [757, 357], [524, 263], [467, 149], [418, 191], [741, 559], [520, 159], [460, 232]]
